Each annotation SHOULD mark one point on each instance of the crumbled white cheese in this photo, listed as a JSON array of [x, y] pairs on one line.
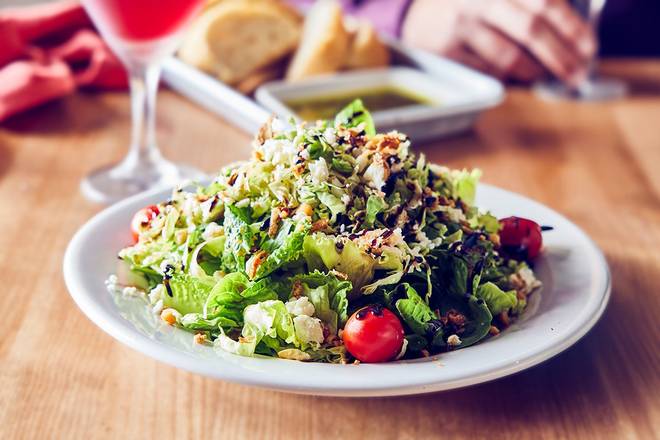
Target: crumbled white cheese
[[528, 278], [115, 288], [454, 340], [212, 230], [308, 329], [376, 174], [427, 243], [131, 291], [455, 215], [112, 284], [279, 152], [258, 316], [345, 199], [156, 293], [330, 136], [319, 171], [300, 306]]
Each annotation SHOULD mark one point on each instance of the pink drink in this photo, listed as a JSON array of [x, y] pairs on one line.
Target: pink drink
[[142, 20], [142, 33]]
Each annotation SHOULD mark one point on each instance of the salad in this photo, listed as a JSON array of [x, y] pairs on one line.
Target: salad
[[333, 243]]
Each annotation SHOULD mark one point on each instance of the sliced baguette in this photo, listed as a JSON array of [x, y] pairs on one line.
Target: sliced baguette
[[233, 39], [324, 43], [366, 50], [250, 83]]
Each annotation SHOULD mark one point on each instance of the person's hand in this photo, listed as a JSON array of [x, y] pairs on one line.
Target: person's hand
[[511, 39]]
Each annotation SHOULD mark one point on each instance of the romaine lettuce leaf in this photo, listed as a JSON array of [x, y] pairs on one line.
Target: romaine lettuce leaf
[[375, 205], [412, 308], [465, 184], [239, 239], [186, 293], [233, 293], [321, 254], [496, 299], [329, 295], [287, 249], [196, 321], [488, 222], [146, 257], [333, 203], [355, 114], [268, 325]]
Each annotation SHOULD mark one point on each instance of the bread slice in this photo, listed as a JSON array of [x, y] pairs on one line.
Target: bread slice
[[250, 83], [366, 50], [232, 39], [324, 43]]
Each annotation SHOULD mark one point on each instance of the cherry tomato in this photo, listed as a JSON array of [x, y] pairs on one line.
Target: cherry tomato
[[520, 238], [373, 334], [141, 219]]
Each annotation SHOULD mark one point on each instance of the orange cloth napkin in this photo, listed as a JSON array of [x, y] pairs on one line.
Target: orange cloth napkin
[[49, 50]]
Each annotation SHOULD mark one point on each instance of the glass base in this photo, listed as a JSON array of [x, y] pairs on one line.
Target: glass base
[[594, 89], [111, 184]]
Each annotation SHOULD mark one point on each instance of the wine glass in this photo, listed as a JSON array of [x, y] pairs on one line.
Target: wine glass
[[142, 33], [593, 87]]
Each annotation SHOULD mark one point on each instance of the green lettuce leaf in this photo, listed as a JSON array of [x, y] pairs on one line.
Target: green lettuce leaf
[[239, 239], [329, 295], [450, 273], [233, 293], [267, 328], [478, 317], [145, 258], [333, 203], [496, 299], [465, 184], [321, 254], [245, 346], [286, 249], [412, 309], [204, 260], [489, 223], [196, 321], [375, 205], [355, 114], [186, 293]]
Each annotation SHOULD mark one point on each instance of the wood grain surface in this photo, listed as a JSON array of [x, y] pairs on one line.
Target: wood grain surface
[[62, 377]]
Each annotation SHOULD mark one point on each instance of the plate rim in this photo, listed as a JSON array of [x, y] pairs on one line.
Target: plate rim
[[168, 355]]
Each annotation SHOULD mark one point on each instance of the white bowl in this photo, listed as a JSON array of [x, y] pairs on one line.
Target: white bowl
[[576, 290]]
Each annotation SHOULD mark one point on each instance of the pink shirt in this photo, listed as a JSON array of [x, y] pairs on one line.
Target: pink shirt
[[386, 15]]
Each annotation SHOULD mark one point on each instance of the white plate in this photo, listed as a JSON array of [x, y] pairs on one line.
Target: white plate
[[576, 289]]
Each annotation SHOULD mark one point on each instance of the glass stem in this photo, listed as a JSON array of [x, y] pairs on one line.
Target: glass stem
[[143, 81]]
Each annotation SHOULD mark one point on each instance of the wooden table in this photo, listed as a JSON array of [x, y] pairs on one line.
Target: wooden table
[[62, 377]]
